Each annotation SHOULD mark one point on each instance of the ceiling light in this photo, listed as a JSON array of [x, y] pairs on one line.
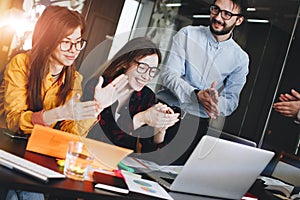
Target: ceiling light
[[251, 9], [264, 21], [173, 4], [201, 16]]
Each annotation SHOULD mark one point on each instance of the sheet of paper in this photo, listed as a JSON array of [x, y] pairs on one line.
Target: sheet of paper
[[174, 169], [146, 187], [140, 163], [51, 142], [146, 164]]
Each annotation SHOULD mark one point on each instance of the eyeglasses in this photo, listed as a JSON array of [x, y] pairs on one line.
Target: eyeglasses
[[226, 15], [142, 68], [67, 45]]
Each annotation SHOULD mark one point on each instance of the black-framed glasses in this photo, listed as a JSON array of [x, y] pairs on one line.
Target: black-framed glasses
[[142, 68], [226, 15], [67, 45]]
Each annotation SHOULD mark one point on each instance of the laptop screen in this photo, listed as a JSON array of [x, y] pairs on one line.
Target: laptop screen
[[230, 137]]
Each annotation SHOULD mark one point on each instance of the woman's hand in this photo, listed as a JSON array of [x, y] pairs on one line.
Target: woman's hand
[[158, 116], [72, 110], [109, 94]]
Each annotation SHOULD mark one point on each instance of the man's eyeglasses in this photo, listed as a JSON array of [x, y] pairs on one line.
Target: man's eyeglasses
[[142, 68], [226, 15], [67, 45]]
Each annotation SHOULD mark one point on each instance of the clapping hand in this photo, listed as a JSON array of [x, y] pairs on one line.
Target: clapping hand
[[106, 96], [294, 96], [158, 116], [73, 109], [210, 99], [289, 104]]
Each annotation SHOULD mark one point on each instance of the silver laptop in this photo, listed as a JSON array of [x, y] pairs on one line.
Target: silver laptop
[[218, 168], [229, 136]]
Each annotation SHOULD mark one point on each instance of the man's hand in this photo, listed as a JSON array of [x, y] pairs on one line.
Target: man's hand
[[210, 99], [294, 96], [289, 104]]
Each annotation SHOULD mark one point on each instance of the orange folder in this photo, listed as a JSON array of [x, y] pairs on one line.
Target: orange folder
[[52, 142]]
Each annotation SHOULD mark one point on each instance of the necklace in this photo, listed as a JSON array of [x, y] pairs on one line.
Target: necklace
[[55, 75]]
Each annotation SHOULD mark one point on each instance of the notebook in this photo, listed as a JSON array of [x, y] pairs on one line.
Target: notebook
[[217, 168]]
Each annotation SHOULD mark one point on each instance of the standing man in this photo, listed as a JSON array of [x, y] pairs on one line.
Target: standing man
[[205, 73]]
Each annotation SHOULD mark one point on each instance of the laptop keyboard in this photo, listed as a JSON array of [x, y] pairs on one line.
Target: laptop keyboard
[[169, 180], [30, 168]]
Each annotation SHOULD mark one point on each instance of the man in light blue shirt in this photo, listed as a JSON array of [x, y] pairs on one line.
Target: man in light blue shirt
[[206, 70]]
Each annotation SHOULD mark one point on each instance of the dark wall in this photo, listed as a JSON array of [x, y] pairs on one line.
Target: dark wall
[[283, 132], [268, 45]]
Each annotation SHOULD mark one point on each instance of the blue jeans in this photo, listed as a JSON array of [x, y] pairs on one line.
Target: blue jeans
[[24, 195]]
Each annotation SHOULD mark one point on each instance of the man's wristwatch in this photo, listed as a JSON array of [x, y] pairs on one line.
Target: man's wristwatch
[[196, 91]]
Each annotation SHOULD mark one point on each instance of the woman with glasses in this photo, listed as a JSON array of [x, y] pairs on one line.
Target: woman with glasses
[[42, 86], [135, 120]]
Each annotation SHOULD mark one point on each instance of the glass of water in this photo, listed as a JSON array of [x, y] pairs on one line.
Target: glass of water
[[78, 161]]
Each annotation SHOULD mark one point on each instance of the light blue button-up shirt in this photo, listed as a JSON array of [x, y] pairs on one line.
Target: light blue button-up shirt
[[196, 59]]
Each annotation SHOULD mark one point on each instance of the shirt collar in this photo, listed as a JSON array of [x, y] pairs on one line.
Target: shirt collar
[[214, 42], [60, 81]]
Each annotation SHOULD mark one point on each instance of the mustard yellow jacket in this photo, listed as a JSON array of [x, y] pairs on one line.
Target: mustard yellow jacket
[[14, 113]]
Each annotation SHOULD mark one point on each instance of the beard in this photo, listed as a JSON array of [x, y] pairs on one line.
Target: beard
[[226, 29]]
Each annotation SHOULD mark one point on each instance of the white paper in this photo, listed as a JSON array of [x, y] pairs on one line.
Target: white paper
[[146, 187], [140, 163], [174, 169]]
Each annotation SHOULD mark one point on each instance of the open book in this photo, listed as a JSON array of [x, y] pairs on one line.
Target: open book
[[277, 186]]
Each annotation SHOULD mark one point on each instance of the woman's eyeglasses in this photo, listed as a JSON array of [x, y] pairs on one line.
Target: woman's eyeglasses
[[226, 15], [142, 68], [67, 45]]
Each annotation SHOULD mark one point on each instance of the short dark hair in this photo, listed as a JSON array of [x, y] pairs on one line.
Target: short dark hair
[[241, 4]]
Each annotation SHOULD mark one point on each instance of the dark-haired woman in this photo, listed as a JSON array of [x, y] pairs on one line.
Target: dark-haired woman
[[135, 120]]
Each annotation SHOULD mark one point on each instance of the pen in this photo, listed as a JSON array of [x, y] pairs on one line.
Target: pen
[[125, 167]]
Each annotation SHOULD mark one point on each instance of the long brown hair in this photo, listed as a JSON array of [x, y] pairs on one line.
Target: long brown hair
[[134, 49], [53, 25]]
